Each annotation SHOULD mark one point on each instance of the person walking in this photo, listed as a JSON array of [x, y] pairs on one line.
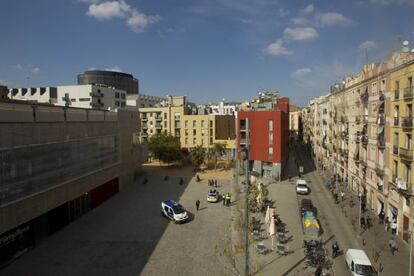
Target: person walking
[[387, 223], [229, 200], [198, 204], [224, 197], [394, 227], [393, 245], [215, 183]]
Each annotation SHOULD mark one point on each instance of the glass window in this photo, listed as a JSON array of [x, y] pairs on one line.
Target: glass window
[[202, 123], [270, 125], [122, 104], [122, 95], [270, 150], [186, 140], [271, 138], [117, 103], [194, 123], [117, 95], [194, 141], [186, 123], [194, 132], [84, 99], [408, 141]]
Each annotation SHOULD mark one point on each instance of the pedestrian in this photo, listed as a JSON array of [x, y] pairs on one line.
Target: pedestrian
[[215, 183], [336, 197], [224, 199], [318, 271], [394, 227], [229, 201], [393, 245], [197, 204], [381, 216], [387, 223]]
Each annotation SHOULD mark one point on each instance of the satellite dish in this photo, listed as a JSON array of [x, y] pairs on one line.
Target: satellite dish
[[405, 43]]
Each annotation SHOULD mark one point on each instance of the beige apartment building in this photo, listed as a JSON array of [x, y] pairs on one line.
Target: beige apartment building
[[175, 116], [364, 125]]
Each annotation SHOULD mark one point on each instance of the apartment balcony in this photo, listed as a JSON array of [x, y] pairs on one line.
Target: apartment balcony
[[381, 119], [379, 171], [158, 126], [406, 154], [158, 118], [144, 119], [356, 158], [408, 93], [242, 141], [396, 121], [407, 122], [381, 143], [144, 126], [382, 96], [364, 140], [396, 94], [395, 149]]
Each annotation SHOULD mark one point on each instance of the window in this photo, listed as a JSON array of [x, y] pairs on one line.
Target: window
[[211, 140], [270, 125], [408, 141], [84, 99], [122, 104], [194, 123], [202, 132], [186, 123], [407, 173], [73, 100], [394, 170], [150, 115], [271, 138], [202, 123], [186, 140], [117, 95], [123, 96], [165, 116], [165, 124], [202, 141], [270, 151], [211, 132], [396, 139], [396, 111], [409, 110], [177, 116], [186, 132], [194, 132], [151, 123], [211, 123], [410, 82], [374, 88], [194, 141]]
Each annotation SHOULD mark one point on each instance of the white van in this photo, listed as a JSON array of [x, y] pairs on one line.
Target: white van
[[358, 262], [174, 211], [301, 187]]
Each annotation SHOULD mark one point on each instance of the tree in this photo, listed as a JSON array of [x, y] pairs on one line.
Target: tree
[[165, 147], [197, 156], [218, 150]]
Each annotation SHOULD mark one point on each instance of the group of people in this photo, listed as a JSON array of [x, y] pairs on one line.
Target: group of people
[[212, 183], [226, 199]]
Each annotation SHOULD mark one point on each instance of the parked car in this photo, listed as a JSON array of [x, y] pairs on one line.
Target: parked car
[[358, 262], [174, 211], [301, 187], [213, 195]]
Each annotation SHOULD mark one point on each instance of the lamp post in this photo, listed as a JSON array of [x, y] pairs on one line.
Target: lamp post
[[360, 207]]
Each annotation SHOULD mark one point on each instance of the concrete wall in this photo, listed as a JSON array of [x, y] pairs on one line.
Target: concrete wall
[[34, 139]]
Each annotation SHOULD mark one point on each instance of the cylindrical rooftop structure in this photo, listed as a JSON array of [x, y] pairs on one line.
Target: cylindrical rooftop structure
[[119, 80]]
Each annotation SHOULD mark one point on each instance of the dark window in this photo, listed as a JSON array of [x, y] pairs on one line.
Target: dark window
[[117, 95], [122, 96], [116, 103]]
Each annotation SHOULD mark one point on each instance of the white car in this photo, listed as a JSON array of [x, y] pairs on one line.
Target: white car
[[301, 187], [359, 264], [213, 195], [174, 211]]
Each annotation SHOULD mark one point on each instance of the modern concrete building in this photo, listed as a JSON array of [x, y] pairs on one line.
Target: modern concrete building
[[95, 96], [141, 100], [268, 136], [58, 163], [295, 125], [34, 94], [118, 80]]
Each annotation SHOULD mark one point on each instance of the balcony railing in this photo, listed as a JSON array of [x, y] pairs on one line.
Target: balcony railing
[[406, 154], [396, 94], [407, 122], [395, 149], [396, 121], [158, 126], [408, 93], [381, 143]]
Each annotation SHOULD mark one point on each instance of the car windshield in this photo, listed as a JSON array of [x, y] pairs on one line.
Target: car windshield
[[365, 270], [302, 186], [178, 210]]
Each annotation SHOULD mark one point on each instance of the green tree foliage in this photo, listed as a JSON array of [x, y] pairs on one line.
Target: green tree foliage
[[216, 151], [198, 155], [165, 147]]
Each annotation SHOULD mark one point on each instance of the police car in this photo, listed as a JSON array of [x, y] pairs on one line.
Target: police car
[[212, 195], [174, 211]]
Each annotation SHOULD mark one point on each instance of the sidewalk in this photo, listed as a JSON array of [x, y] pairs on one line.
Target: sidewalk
[[375, 239]]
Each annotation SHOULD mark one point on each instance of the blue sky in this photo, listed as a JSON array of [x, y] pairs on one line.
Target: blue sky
[[205, 49]]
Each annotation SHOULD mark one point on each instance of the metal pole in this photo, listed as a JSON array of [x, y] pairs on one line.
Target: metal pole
[[247, 197], [411, 249], [360, 206]]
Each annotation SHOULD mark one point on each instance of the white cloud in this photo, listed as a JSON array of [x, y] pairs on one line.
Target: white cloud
[[300, 33], [18, 66], [331, 19], [138, 22], [308, 9], [116, 68], [277, 49], [300, 21], [301, 73], [35, 70], [368, 45], [109, 9]]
